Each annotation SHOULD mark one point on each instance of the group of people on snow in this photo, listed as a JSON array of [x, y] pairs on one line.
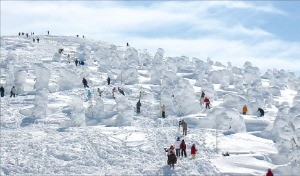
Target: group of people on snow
[[12, 91]]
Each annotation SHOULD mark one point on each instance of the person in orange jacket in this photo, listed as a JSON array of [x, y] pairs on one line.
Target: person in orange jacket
[[245, 109]]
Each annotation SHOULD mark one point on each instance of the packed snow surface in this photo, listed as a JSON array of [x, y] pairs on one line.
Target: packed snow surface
[[55, 127]]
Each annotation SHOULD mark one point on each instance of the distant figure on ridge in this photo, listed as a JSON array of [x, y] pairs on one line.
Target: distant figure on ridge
[[108, 80], [261, 111], [245, 109], [48, 32]]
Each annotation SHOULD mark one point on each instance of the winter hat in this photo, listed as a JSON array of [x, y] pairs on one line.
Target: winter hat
[[172, 147]]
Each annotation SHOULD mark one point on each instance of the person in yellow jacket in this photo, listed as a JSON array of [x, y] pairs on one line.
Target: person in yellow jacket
[[245, 109]]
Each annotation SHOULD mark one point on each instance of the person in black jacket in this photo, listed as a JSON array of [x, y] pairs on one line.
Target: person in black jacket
[[84, 82], [2, 91], [138, 106], [108, 80], [261, 111]]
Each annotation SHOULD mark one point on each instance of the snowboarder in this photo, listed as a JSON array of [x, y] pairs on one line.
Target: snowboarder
[[100, 92], [2, 91], [121, 91], [163, 111], [84, 82], [108, 80], [172, 159], [261, 111], [38, 40], [207, 103], [245, 109], [177, 146], [183, 148], [76, 62], [138, 106], [13, 91], [269, 173], [193, 151]]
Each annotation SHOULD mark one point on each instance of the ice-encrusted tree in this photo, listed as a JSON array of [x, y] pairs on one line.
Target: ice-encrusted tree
[[40, 104], [42, 75]]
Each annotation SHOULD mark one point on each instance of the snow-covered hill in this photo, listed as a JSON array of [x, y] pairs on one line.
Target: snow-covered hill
[[52, 127]]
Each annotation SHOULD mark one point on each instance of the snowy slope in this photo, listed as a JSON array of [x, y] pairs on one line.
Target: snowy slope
[[52, 128]]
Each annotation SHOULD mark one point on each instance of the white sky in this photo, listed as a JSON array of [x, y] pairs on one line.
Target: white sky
[[224, 31]]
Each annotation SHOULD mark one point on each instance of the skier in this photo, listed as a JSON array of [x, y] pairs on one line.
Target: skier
[[138, 106], [193, 151], [100, 92], [183, 148], [245, 109], [38, 40], [121, 91], [2, 91], [84, 81], [163, 111], [76, 62], [177, 146], [269, 173], [108, 80], [13, 91], [207, 103], [262, 112]]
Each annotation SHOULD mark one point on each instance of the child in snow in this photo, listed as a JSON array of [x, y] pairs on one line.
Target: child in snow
[[172, 159], [193, 151]]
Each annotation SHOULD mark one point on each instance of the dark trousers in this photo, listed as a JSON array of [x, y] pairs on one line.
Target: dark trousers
[[184, 132], [163, 114], [2, 94], [244, 113], [85, 85], [12, 94], [207, 106], [183, 152]]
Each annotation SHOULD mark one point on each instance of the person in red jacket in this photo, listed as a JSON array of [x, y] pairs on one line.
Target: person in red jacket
[[193, 151], [183, 148], [269, 173], [207, 103]]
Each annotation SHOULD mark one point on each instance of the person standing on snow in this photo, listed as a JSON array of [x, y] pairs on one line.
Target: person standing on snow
[[207, 103], [184, 127], [108, 80], [261, 111], [76, 62], [2, 91], [13, 91], [138, 106], [183, 148], [245, 109], [163, 111], [84, 82], [121, 91], [172, 159], [100, 92], [202, 97], [269, 173], [89, 94], [38, 40], [193, 151], [177, 146]]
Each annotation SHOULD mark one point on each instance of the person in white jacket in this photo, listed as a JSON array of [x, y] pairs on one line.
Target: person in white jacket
[[177, 146]]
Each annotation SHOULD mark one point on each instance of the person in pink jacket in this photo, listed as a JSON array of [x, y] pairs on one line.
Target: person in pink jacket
[[193, 151]]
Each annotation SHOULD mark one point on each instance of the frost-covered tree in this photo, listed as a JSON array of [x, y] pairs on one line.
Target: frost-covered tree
[[77, 112], [20, 80], [83, 53], [42, 75], [125, 111], [40, 104], [68, 79]]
